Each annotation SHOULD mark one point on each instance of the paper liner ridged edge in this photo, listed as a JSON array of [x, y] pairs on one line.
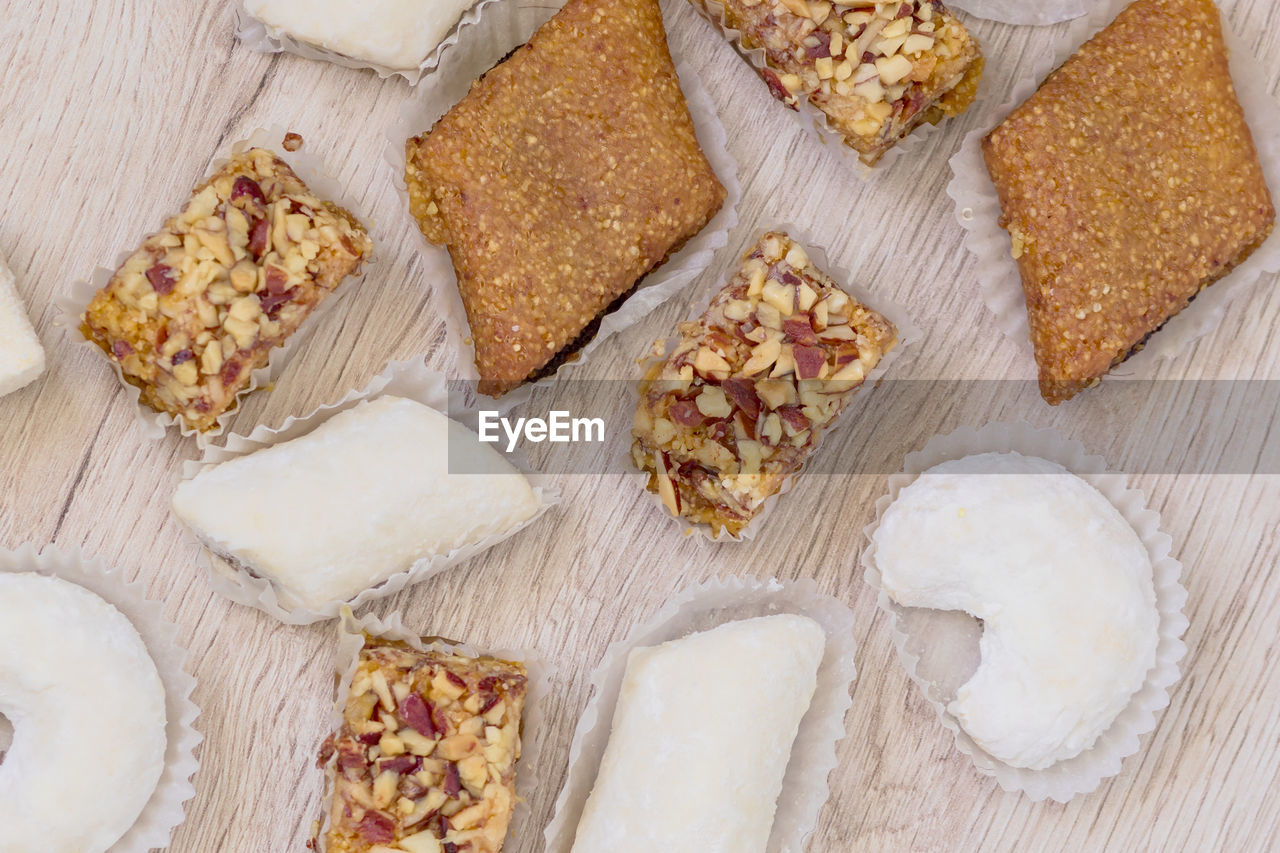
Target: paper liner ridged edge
[[258, 37], [164, 812], [529, 771], [977, 207], [699, 608], [409, 379], [908, 334], [1084, 773], [504, 27], [152, 424]]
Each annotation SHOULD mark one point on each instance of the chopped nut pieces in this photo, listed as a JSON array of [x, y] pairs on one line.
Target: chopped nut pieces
[[878, 70], [1129, 182], [567, 174], [194, 311], [745, 396], [425, 759]]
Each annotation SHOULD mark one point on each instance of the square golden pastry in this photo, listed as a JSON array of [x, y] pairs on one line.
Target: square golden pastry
[[1129, 182], [200, 305], [747, 393], [568, 172], [878, 70], [425, 759]]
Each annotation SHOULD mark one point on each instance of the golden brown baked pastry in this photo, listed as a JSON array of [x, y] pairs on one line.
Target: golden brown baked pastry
[[200, 305], [1129, 182], [878, 70], [425, 759], [567, 173], [753, 383]]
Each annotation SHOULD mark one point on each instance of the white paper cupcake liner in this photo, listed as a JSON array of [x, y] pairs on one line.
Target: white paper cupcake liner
[[530, 774], [939, 649], [410, 379], [259, 37], [1035, 13], [813, 121], [164, 811], [152, 424], [700, 608], [503, 27], [978, 207], [908, 334]]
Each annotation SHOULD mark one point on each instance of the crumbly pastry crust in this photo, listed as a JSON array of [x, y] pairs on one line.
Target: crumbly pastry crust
[[200, 305], [425, 759], [752, 384], [567, 173], [877, 70], [1129, 182]]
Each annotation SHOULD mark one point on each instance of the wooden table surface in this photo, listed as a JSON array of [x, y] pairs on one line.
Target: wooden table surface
[[111, 111]]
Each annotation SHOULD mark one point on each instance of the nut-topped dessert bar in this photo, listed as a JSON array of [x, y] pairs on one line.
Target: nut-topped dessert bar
[[568, 173], [752, 384], [1128, 183], [877, 70], [200, 305], [425, 759]]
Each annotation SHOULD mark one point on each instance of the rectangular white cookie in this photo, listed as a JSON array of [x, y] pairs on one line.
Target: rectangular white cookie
[[701, 737], [21, 356], [398, 34], [360, 498]]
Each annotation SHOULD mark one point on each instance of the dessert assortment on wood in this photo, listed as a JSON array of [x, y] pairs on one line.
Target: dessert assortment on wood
[[1128, 182]]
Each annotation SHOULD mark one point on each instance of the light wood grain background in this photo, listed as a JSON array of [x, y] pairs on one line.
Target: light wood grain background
[[111, 111]]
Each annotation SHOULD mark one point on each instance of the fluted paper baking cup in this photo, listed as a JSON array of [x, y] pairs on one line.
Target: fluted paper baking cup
[[502, 28], [164, 811], [1035, 13], [530, 774], [258, 36], [409, 379], [978, 211], [700, 608], [908, 334], [939, 648], [152, 424], [813, 121]]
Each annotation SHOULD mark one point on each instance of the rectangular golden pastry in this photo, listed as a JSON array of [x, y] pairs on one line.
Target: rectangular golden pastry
[[877, 70], [567, 173], [425, 759], [1129, 182], [200, 305], [742, 400]]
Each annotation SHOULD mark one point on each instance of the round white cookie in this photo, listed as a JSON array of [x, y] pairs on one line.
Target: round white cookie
[[1061, 581], [88, 713]]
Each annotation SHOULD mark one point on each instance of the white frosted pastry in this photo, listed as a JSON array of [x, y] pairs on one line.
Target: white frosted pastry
[[395, 33], [21, 356], [701, 738], [358, 499], [88, 715], [1061, 581]]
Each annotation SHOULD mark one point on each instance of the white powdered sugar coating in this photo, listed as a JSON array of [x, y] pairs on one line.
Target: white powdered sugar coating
[[701, 738], [1062, 583], [88, 711], [396, 33], [21, 355], [361, 498]]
